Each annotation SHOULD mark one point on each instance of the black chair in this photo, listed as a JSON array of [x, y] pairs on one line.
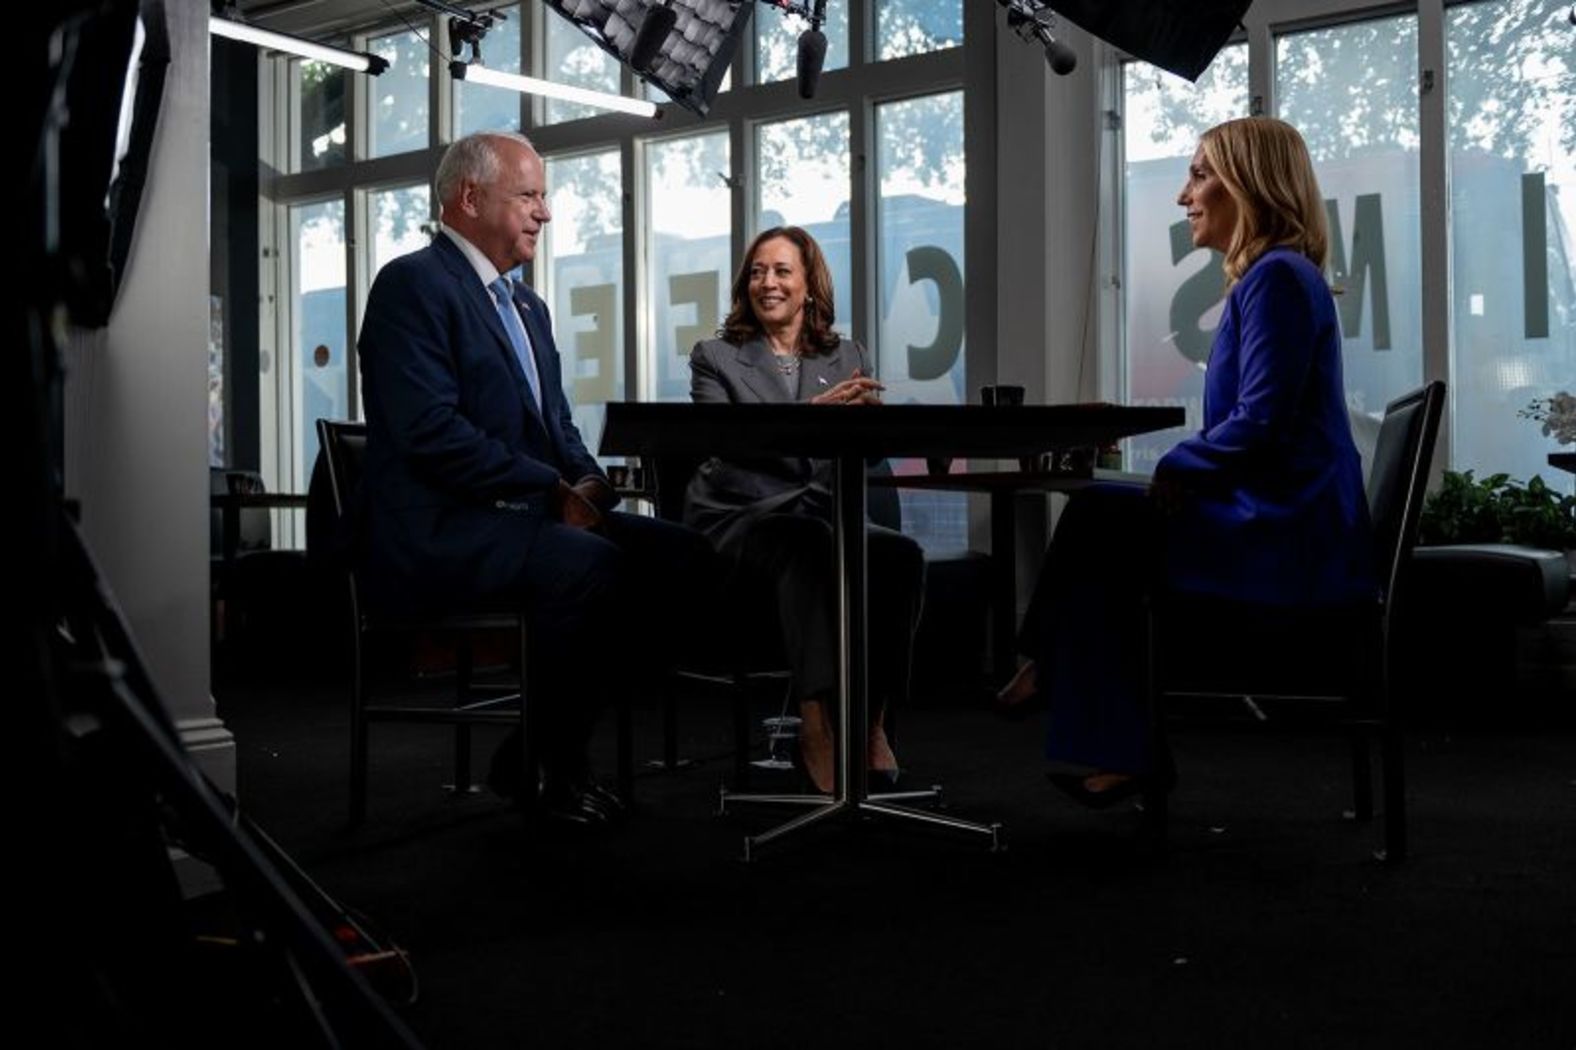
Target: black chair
[[744, 670], [751, 662], [344, 446], [1313, 667], [252, 585]]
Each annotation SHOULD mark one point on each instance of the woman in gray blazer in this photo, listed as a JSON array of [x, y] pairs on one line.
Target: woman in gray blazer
[[771, 519]]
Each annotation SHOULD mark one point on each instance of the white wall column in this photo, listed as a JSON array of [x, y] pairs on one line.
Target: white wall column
[[136, 410]]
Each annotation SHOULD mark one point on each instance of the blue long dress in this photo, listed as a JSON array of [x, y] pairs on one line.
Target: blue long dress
[[1274, 514]]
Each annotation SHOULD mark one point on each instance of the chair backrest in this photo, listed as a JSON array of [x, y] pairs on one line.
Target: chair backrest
[[670, 476], [1399, 476], [254, 524], [344, 446]]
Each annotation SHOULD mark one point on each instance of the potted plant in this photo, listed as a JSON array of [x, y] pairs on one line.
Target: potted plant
[[1498, 509]]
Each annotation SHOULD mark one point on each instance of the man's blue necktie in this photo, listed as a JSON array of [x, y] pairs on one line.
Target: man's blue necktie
[[516, 329]]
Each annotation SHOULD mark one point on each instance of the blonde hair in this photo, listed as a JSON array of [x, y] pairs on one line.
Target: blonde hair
[[1265, 166]]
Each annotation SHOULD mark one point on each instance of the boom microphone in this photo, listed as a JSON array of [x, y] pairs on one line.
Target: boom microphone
[[812, 56], [654, 29], [1062, 58]]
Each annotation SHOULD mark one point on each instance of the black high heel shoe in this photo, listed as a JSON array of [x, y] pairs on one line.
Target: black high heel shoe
[[802, 772], [1028, 703], [881, 780], [1018, 710]]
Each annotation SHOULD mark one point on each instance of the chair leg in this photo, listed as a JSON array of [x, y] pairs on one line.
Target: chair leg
[[626, 752], [464, 668], [1156, 797], [530, 739], [1156, 818], [1362, 779], [670, 728], [741, 733], [358, 734], [670, 761], [1394, 774]]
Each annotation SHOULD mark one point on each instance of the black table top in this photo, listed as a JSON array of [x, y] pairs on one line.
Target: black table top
[[1004, 480], [226, 500], [980, 431]]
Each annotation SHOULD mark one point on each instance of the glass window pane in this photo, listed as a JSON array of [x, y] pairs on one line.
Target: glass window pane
[[584, 269], [1351, 91], [397, 217], [319, 91], [777, 41], [919, 267], [574, 60], [803, 180], [1173, 291], [1512, 107], [480, 107], [320, 389], [398, 96], [912, 27], [689, 268], [216, 450]]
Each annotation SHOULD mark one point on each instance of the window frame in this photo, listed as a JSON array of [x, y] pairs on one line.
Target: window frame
[[1263, 25], [855, 89]]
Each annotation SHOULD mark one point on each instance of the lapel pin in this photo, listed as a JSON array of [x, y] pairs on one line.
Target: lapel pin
[[821, 380]]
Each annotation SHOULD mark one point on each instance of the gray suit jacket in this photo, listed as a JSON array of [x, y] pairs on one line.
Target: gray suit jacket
[[725, 496]]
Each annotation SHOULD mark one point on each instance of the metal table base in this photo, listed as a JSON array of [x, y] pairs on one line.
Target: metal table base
[[851, 797]]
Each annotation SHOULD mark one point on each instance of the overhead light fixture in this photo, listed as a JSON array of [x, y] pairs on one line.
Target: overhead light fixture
[[680, 46], [359, 61], [467, 29], [475, 73]]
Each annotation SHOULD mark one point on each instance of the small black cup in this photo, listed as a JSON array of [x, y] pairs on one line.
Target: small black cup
[[1001, 394]]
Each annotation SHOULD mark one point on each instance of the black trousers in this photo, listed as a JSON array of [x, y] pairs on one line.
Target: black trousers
[[610, 611], [789, 560]]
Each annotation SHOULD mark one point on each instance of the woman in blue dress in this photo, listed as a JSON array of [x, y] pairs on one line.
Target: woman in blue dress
[[1264, 505]]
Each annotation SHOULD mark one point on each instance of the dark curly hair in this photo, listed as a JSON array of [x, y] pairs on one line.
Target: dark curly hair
[[816, 336]]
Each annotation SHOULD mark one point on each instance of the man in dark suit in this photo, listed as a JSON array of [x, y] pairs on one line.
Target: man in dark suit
[[478, 488]]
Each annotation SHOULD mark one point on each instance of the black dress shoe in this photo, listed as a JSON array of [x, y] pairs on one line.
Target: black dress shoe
[[566, 804], [615, 807]]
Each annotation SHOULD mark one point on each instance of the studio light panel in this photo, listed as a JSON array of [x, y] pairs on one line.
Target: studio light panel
[[692, 59]]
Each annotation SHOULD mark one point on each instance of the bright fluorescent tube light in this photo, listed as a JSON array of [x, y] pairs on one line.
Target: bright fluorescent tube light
[[359, 61], [475, 74]]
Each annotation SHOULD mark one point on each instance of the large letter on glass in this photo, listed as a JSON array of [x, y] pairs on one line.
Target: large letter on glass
[[1367, 271], [595, 378], [936, 359]]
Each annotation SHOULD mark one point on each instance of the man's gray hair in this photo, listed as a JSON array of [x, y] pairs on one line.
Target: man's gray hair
[[473, 158]]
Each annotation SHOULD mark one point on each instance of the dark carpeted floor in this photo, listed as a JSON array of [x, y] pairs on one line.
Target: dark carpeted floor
[[1267, 925]]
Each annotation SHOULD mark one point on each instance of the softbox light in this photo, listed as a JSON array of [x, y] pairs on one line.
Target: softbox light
[[1179, 36], [691, 58]]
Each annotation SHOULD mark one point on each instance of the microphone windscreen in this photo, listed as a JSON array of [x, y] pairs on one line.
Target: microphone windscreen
[[812, 56], [654, 29], [1062, 58]]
